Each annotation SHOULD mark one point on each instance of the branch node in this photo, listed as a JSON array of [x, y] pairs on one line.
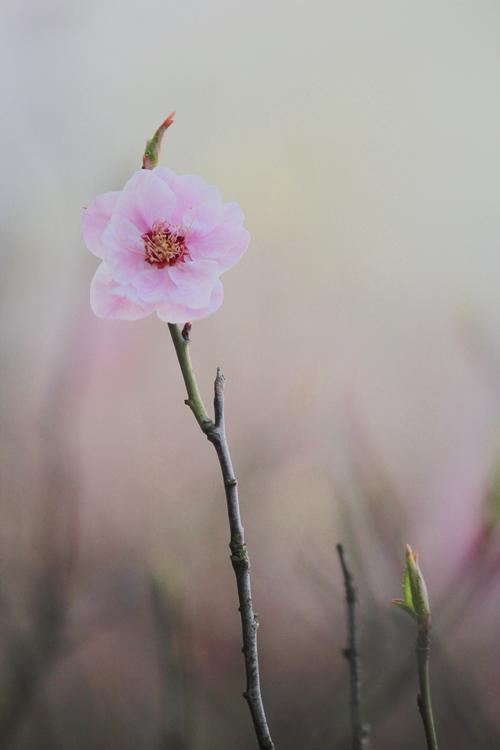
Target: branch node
[[239, 556]]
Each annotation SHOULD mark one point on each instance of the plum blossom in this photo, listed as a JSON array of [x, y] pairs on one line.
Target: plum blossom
[[164, 241]]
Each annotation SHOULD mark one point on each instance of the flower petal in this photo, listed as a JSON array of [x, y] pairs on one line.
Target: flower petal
[[124, 248], [95, 219], [111, 300], [153, 284], [173, 313], [194, 282], [226, 243], [198, 205], [146, 200]]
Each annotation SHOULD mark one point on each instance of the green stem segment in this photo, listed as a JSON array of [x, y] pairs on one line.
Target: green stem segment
[[194, 399], [424, 697]]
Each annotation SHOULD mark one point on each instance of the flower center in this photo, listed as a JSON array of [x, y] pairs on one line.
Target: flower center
[[163, 246]]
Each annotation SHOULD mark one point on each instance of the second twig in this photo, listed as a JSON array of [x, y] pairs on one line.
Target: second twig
[[360, 740]]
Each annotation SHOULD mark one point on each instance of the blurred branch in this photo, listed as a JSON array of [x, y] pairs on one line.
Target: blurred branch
[[360, 738], [173, 665], [31, 656], [216, 434]]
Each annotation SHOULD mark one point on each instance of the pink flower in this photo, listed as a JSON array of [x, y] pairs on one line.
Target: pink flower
[[164, 241]]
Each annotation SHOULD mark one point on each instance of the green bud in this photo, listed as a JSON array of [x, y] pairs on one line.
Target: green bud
[[416, 599]]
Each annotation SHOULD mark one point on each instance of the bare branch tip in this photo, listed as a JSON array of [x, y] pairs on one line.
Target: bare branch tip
[[220, 378]]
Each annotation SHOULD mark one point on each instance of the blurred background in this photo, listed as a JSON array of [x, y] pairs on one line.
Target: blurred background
[[361, 340]]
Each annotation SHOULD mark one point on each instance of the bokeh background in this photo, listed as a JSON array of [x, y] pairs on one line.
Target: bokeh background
[[360, 336]]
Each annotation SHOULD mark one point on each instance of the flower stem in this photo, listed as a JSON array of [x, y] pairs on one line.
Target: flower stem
[[194, 399], [424, 697], [240, 560]]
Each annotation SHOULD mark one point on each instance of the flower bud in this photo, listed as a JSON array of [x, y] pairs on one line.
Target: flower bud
[[152, 151]]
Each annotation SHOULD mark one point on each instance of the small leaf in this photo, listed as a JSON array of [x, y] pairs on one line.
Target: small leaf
[[402, 605]]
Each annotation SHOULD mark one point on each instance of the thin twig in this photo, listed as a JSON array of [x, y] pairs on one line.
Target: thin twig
[[216, 434], [360, 738]]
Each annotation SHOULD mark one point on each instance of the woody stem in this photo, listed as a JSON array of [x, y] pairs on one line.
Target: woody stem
[[216, 434]]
